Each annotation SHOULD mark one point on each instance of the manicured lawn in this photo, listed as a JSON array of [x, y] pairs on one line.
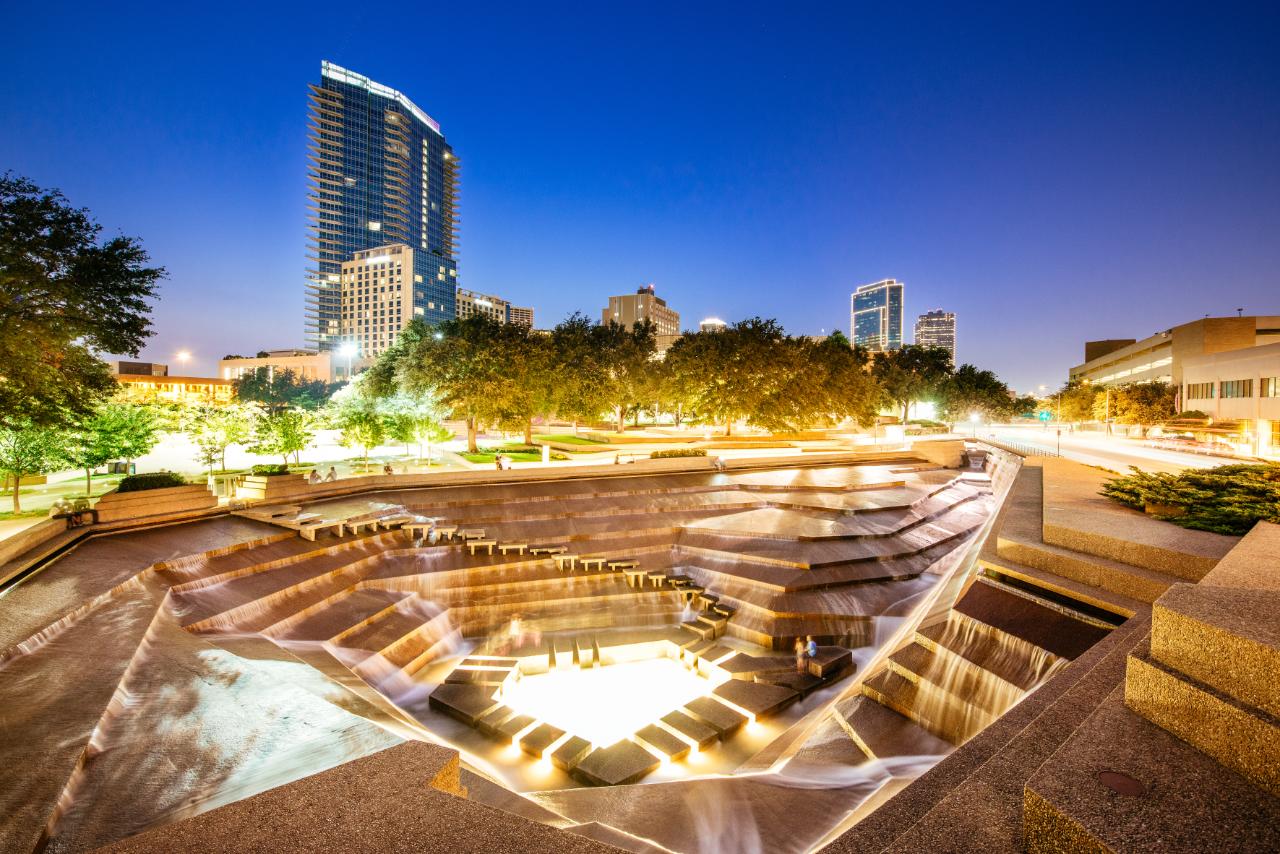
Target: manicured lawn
[[570, 439], [517, 453]]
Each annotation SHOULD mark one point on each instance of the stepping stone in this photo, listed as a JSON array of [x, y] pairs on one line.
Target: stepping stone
[[490, 661], [715, 653], [511, 726], [706, 631], [704, 735], [466, 703], [624, 762], [488, 722], [724, 720], [536, 742], [567, 756], [663, 742], [759, 698], [487, 676]]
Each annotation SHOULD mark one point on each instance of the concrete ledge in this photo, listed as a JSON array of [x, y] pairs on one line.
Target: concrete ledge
[[1254, 562], [403, 799], [948, 453], [121, 506], [1227, 638], [1243, 739]]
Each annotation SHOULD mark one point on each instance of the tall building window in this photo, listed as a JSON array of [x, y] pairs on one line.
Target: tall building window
[[1270, 387]]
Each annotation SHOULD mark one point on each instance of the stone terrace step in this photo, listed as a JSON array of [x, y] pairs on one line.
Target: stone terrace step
[[948, 718], [880, 732], [1242, 738], [338, 614], [1096, 597], [956, 677], [1188, 803], [1133, 582], [1227, 638]]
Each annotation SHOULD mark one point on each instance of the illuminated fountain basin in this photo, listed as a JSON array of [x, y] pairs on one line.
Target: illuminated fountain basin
[[605, 705]]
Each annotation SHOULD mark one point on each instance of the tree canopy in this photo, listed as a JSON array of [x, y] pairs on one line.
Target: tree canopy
[[65, 295], [911, 373]]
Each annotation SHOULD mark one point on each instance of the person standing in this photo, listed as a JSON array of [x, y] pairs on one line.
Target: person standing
[[801, 666]]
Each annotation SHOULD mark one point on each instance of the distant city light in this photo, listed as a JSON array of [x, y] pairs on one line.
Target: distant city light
[[348, 349]]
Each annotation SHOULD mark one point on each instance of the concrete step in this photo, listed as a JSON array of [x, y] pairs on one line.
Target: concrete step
[[950, 719], [1228, 638], [955, 676], [981, 647], [1134, 582], [880, 732], [1121, 783], [1240, 737]]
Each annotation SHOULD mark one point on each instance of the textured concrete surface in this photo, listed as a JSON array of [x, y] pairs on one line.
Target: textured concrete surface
[[1226, 637], [1078, 518], [1190, 803], [1253, 563], [395, 801]]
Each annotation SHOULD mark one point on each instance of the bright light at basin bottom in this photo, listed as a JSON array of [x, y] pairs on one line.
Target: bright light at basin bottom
[[606, 704]]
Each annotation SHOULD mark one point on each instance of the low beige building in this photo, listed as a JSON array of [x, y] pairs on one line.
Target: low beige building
[[472, 304], [1160, 357], [152, 388], [305, 364], [521, 316], [377, 301], [644, 304], [1241, 387]]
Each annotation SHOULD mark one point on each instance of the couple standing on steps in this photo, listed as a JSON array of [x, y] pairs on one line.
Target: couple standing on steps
[[805, 650]]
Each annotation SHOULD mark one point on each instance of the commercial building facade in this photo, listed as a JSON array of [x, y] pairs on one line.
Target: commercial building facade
[[1240, 391], [380, 173], [644, 304], [520, 315], [875, 315], [162, 388], [376, 298], [1160, 357], [305, 364], [937, 328], [711, 324]]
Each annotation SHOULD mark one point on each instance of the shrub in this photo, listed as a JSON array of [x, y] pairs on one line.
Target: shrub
[[677, 452], [269, 469], [1226, 500], [151, 480], [1191, 415]]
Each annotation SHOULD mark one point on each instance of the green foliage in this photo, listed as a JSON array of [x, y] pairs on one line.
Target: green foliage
[[969, 390], [213, 429], [278, 390], [911, 373], [283, 432], [269, 469], [1073, 402], [26, 449], [576, 392], [627, 375], [1191, 415], [150, 480], [361, 425], [677, 452], [1141, 404], [114, 431], [64, 295], [1226, 500]]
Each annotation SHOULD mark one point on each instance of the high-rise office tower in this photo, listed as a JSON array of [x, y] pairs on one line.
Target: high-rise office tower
[[381, 173], [875, 315], [937, 328]]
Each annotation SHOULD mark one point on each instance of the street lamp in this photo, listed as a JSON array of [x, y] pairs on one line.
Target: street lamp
[[974, 418], [348, 349], [183, 357]]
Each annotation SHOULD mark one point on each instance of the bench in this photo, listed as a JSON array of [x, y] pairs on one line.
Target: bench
[[547, 550], [635, 577], [387, 523], [566, 561], [658, 578], [623, 564], [417, 529], [307, 530], [519, 547], [446, 532], [471, 534], [353, 526], [598, 561], [479, 543]]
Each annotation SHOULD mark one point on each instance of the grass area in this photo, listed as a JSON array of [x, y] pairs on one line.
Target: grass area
[[9, 515], [570, 439], [517, 453], [1226, 500]]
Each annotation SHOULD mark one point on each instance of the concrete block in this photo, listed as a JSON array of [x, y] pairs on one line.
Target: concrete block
[[118, 506]]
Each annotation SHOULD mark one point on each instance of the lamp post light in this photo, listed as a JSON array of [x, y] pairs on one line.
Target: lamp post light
[[348, 349], [183, 356], [974, 418]]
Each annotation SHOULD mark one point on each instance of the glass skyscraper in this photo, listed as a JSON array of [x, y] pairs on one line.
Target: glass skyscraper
[[937, 328], [875, 315], [380, 173]]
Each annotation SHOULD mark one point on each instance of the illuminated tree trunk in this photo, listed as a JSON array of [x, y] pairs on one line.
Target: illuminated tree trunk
[[471, 435], [528, 432]]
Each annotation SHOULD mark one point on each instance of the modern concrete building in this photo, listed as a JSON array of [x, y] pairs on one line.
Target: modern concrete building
[[1160, 357], [376, 298], [162, 388], [875, 315], [644, 304], [937, 328], [1239, 389], [305, 364], [381, 173], [151, 369], [520, 315], [711, 324]]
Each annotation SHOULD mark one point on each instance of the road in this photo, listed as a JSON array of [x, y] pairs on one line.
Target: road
[[1115, 453]]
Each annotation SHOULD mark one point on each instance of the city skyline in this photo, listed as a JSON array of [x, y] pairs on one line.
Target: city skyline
[[1130, 181]]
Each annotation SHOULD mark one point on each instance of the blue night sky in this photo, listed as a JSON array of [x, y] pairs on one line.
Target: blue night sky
[[1051, 175]]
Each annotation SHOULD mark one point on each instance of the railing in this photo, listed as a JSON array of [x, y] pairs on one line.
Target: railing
[[1022, 449]]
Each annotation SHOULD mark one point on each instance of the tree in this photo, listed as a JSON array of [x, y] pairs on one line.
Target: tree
[[361, 425], [27, 449], [624, 365], [842, 386], [278, 390], [1142, 404], [116, 430], [576, 392], [970, 390], [64, 295], [1073, 402], [283, 432], [910, 373], [216, 428]]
